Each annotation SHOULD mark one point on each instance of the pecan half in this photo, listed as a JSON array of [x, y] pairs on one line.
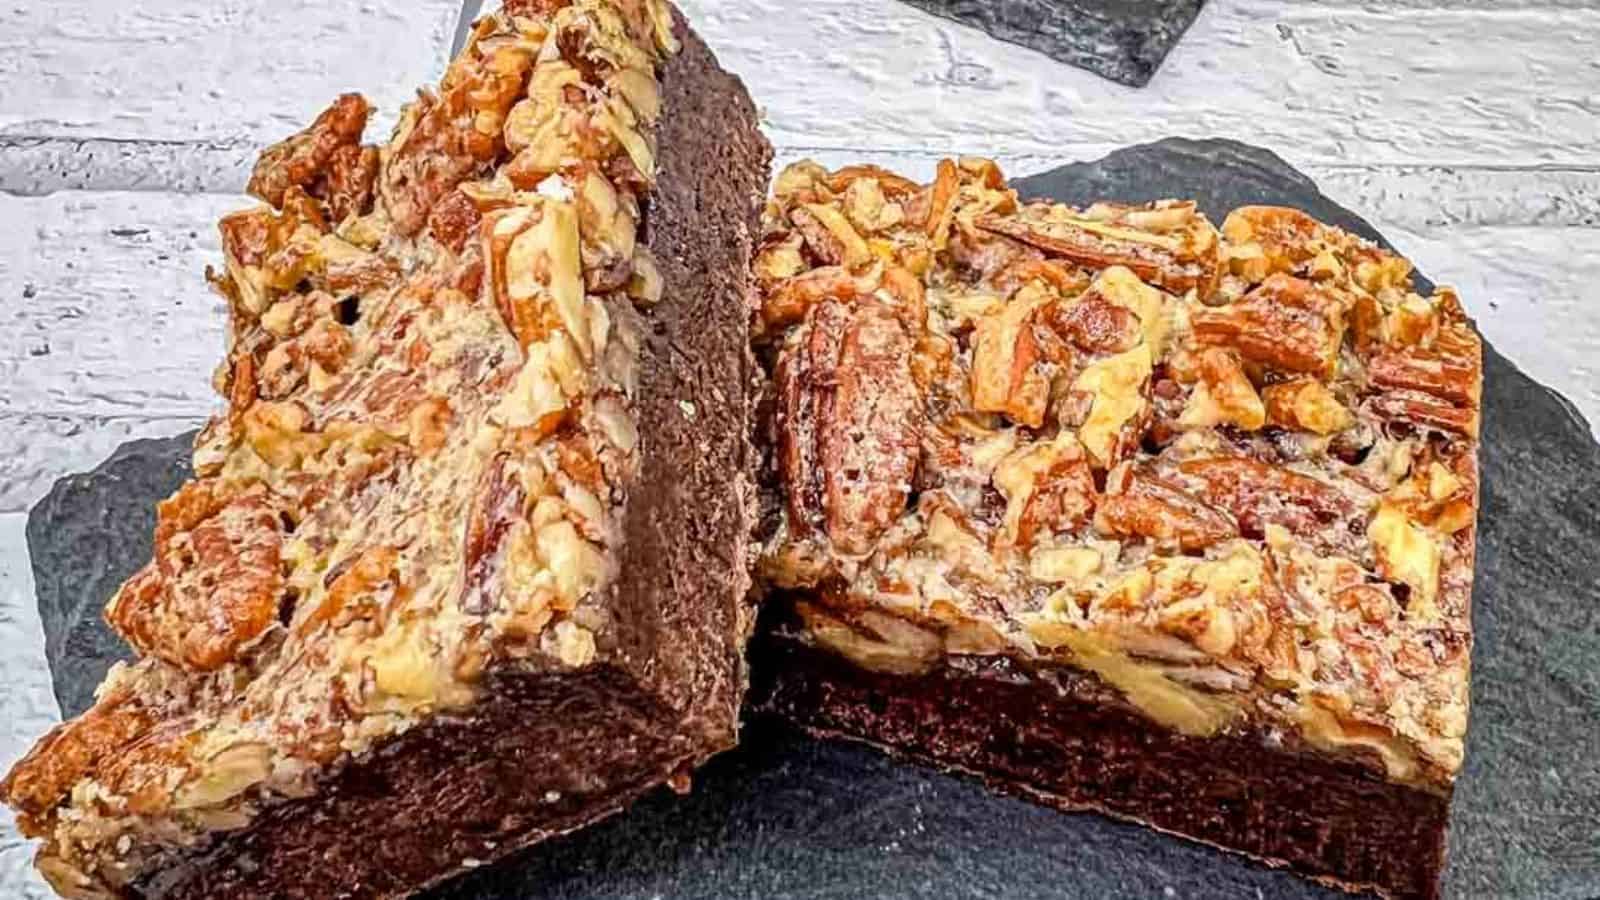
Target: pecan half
[[215, 583], [1258, 494], [849, 423], [1450, 371], [1138, 503], [1168, 243], [1286, 324]]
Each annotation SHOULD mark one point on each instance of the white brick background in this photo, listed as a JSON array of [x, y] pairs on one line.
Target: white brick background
[[1468, 131]]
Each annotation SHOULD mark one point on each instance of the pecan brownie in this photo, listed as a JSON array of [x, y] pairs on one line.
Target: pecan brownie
[[1123, 512], [463, 563]]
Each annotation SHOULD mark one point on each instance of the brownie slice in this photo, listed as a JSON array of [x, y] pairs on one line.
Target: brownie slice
[[1118, 511], [463, 566]]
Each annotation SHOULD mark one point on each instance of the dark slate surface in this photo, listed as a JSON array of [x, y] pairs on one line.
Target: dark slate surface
[[85, 538], [789, 817], [1123, 40]]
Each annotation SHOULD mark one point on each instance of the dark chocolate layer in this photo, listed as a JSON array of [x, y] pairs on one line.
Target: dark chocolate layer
[[545, 754], [538, 757], [1063, 739]]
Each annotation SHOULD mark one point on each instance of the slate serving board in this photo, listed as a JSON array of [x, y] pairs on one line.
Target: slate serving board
[[785, 816], [1123, 40]]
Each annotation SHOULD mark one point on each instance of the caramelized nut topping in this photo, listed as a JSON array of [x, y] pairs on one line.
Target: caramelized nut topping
[[1230, 474]]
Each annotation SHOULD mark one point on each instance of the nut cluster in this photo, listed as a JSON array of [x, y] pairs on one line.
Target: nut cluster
[[1233, 472]]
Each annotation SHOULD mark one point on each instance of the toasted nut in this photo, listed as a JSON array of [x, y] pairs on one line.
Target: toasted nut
[[1286, 324], [848, 423], [830, 236], [1169, 244], [1141, 505], [1006, 373], [1048, 487], [1119, 386], [1306, 404], [1223, 395]]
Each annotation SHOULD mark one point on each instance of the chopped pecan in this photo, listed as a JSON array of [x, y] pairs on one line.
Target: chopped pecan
[[347, 185], [934, 208], [453, 220], [1140, 504], [777, 259], [1006, 373], [790, 299], [1117, 391], [1285, 324], [353, 578], [849, 423], [1049, 487], [829, 235], [1094, 324], [536, 272], [1306, 404], [1024, 268], [214, 585], [1258, 494], [893, 186], [1267, 240], [443, 140], [497, 507], [70, 751], [1223, 395], [1169, 243], [329, 148]]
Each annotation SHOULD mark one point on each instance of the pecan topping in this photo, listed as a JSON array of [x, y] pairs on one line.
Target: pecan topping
[[215, 583], [1139, 504], [1286, 324], [328, 150], [1168, 244], [848, 423], [1195, 464]]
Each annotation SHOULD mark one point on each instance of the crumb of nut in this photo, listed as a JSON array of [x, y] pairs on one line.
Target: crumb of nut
[[574, 645]]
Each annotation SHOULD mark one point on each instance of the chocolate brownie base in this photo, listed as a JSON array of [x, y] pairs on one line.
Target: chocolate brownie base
[[541, 755], [1062, 738]]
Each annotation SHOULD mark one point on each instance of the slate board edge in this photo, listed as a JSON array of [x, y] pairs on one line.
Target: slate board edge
[[1131, 66]]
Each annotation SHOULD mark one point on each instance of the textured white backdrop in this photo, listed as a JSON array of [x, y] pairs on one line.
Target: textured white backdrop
[[1466, 130]]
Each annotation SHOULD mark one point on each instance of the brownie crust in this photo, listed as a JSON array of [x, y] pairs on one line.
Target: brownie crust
[[546, 754], [1063, 738]]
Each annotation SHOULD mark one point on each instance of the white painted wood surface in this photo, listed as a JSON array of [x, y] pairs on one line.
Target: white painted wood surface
[[1466, 130]]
